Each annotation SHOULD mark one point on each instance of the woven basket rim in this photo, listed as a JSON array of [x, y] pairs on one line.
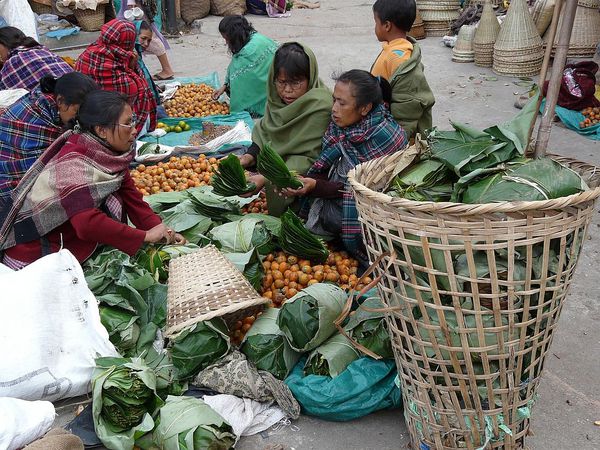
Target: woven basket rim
[[471, 209]]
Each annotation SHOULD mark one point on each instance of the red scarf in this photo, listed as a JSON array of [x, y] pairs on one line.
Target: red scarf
[[111, 62]]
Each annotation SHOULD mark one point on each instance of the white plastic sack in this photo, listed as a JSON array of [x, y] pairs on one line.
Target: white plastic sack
[[50, 330], [18, 14], [240, 133], [22, 422], [10, 96]]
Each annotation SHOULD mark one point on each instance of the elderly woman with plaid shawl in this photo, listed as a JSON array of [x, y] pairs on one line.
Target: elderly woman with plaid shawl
[[79, 193], [112, 62], [361, 129]]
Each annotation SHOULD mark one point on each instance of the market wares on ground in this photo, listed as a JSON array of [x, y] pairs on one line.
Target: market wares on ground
[[204, 285], [475, 386], [257, 206], [195, 100], [296, 239], [480, 2], [463, 49], [332, 357], [230, 178], [586, 29], [418, 29], [542, 14], [518, 50], [485, 37], [438, 15]]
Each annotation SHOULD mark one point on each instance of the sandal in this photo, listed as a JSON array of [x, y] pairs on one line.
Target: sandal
[[158, 77]]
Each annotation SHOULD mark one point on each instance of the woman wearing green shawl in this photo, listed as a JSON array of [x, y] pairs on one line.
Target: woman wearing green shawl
[[252, 56], [296, 117]]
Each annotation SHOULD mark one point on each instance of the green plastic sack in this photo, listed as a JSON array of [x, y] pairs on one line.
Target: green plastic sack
[[266, 346], [187, 423], [307, 319], [199, 346], [364, 387], [369, 329], [196, 125], [331, 358]]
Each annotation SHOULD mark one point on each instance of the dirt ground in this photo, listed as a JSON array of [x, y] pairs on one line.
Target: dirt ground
[[341, 35]]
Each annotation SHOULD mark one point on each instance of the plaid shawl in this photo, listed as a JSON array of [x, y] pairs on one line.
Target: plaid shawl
[[108, 61], [76, 173], [376, 135], [27, 128], [25, 67]]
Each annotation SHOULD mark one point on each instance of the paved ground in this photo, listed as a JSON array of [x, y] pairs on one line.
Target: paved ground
[[341, 35]]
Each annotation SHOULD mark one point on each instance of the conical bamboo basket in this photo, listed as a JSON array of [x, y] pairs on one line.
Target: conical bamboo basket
[[418, 29], [463, 49], [438, 15], [481, 2], [485, 36], [518, 51], [586, 29]]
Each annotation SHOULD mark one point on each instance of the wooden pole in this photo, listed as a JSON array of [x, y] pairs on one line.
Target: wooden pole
[[548, 55], [560, 58]]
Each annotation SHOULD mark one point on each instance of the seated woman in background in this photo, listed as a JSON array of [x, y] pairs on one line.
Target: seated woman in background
[[296, 116], [144, 37], [252, 56], [361, 129], [25, 62], [113, 63], [79, 193], [36, 120]]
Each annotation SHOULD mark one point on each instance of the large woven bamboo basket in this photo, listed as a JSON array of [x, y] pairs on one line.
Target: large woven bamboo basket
[[438, 15], [586, 29], [474, 294], [485, 36], [463, 49], [90, 19], [418, 29]]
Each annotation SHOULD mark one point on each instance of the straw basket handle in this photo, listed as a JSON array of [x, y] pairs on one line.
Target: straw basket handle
[[357, 294]]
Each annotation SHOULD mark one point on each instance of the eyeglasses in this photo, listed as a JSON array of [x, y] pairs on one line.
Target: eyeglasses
[[294, 85], [130, 125]]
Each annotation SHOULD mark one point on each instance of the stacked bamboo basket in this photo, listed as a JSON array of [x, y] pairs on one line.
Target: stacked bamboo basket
[[480, 2], [463, 49], [518, 50], [586, 29], [418, 29], [485, 36], [438, 15]]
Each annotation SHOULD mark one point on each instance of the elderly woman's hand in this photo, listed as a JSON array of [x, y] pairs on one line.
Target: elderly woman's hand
[[259, 181], [308, 186]]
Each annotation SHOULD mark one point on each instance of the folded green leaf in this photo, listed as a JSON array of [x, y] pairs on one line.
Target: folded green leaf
[[369, 328], [273, 168], [297, 240], [123, 331], [331, 358], [230, 179]]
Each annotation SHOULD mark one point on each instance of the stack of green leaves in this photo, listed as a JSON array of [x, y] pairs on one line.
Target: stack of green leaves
[[427, 180], [123, 331], [213, 206], [295, 239], [199, 346], [369, 328], [266, 346], [331, 358], [155, 258], [230, 178], [187, 423], [307, 319], [124, 399], [274, 169]]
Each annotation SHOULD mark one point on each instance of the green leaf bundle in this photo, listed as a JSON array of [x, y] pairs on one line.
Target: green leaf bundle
[[307, 319], [331, 358], [266, 346], [369, 328], [213, 206], [273, 168], [123, 331], [294, 238], [230, 178], [199, 346]]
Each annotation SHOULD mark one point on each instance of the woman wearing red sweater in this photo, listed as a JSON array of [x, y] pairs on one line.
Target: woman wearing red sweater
[[79, 193]]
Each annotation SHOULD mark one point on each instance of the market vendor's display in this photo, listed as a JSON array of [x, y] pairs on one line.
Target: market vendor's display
[[273, 168], [195, 100], [331, 358], [230, 178], [181, 126], [266, 346], [257, 206], [297, 240], [177, 174], [210, 131], [307, 319], [369, 329], [592, 117]]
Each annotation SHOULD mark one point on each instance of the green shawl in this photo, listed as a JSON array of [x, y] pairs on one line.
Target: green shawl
[[247, 75], [296, 130]]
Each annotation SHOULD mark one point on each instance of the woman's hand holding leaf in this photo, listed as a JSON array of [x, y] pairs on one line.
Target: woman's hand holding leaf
[[309, 185]]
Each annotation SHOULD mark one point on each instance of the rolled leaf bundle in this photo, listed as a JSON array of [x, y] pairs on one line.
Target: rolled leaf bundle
[[187, 423], [331, 358], [369, 328], [123, 331], [270, 165], [230, 178], [307, 319], [296, 239], [124, 399], [199, 346], [266, 346], [428, 180]]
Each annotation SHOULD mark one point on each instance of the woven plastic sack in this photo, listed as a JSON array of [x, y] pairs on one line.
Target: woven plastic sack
[[194, 9], [364, 387], [227, 7]]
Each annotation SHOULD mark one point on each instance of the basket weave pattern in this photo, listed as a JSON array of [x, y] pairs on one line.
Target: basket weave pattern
[[204, 285], [438, 15], [586, 29], [470, 345], [90, 19]]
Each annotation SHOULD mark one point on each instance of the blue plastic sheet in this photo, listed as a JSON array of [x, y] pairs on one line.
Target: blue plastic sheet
[[364, 387], [212, 79], [572, 119]]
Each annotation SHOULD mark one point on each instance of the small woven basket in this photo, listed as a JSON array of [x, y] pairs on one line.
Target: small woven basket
[[90, 19], [204, 285], [41, 7], [470, 341]]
